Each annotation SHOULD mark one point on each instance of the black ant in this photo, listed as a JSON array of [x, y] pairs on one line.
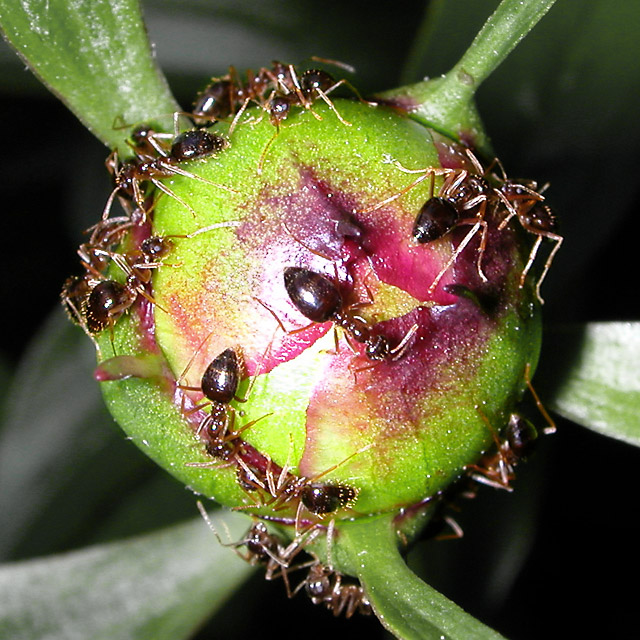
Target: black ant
[[266, 549], [130, 176], [536, 217], [325, 586], [219, 385], [464, 193], [95, 304], [217, 101], [463, 199], [318, 498], [318, 299], [291, 90], [497, 470], [73, 296], [106, 302]]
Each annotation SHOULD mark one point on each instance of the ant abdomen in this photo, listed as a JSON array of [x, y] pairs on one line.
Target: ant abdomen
[[436, 218], [321, 499], [221, 378], [540, 217], [197, 143], [521, 435], [107, 300], [315, 80], [216, 102], [315, 296]]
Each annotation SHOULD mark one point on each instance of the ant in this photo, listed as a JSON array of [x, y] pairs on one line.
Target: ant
[[266, 549], [219, 385], [497, 470], [290, 90], [130, 176], [275, 90], [324, 585], [318, 299], [106, 302], [463, 199], [535, 217], [73, 296], [318, 498], [96, 303], [217, 101]]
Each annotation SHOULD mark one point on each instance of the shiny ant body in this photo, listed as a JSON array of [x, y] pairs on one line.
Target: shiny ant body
[[152, 163], [466, 197], [318, 498], [325, 586], [275, 90], [107, 301], [497, 469], [535, 217], [219, 385], [318, 299], [463, 200]]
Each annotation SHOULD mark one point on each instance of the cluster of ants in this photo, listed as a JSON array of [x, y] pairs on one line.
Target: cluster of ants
[[96, 299]]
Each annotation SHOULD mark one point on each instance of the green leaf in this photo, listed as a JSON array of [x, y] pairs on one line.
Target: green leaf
[[598, 385], [95, 57], [406, 606], [55, 426], [154, 587]]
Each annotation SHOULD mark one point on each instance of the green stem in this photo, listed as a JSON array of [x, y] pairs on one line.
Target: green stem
[[406, 606], [447, 103], [505, 28], [95, 56]]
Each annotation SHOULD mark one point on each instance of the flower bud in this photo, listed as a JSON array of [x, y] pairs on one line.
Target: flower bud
[[333, 313]]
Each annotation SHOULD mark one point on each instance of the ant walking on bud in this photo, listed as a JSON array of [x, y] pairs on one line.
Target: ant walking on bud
[[152, 162], [265, 548]]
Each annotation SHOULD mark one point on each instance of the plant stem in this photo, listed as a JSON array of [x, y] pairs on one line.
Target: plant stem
[[406, 606], [447, 103]]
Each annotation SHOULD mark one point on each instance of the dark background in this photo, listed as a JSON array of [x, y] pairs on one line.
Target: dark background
[[552, 559]]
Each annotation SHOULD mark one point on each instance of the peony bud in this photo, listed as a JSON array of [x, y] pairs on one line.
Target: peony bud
[[325, 315]]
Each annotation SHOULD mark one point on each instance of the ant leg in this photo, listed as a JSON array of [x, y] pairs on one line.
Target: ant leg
[[398, 351], [455, 254], [558, 240], [107, 207], [429, 173], [263, 155], [171, 194], [211, 227], [456, 530], [172, 168], [552, 425], [532, 257], [238, 115], [284, 329], [209, 523], [330, 104]]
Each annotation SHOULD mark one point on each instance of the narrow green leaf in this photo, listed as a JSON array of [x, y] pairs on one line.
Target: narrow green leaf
[[61, 448], [447, 103], [599, 386], [94, 56], [154, 587], [408, 607]]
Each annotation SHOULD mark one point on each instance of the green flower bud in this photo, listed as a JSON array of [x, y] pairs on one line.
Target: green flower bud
[[333, 317]]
